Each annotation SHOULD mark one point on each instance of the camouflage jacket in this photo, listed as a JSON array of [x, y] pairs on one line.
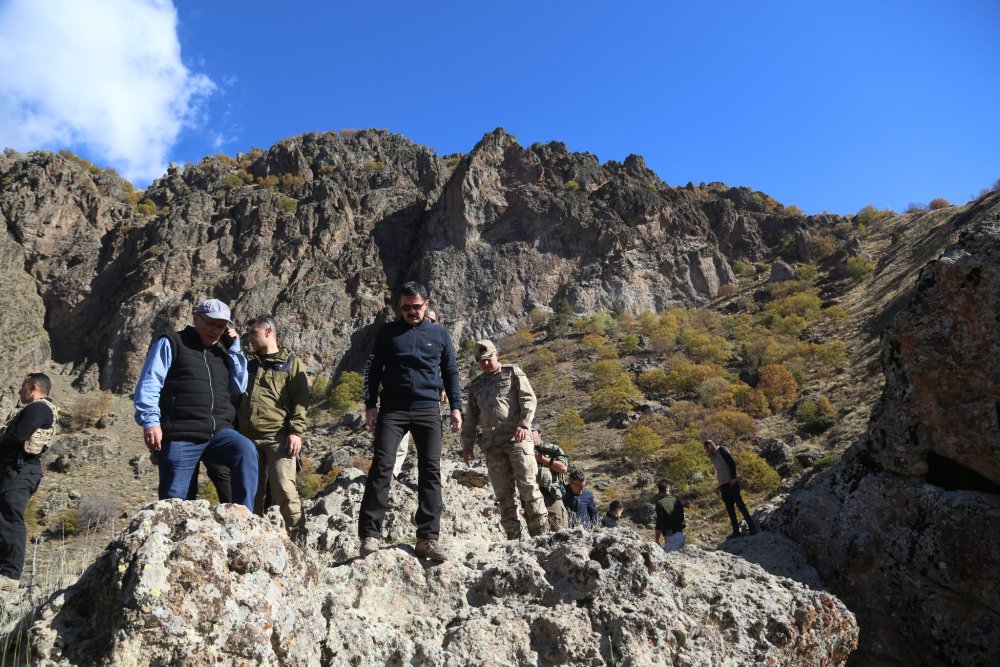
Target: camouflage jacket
[[499, 403]]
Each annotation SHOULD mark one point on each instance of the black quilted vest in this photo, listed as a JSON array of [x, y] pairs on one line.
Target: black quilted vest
[[195, 401]]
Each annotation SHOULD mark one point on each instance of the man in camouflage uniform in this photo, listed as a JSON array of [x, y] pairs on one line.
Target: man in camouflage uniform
[[552, 466], [502, 401]]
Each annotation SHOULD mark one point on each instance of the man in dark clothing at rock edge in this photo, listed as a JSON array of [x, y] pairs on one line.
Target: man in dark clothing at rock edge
[[410, 360], [182, 401], [729, 486], [669, 518], [579, 502], [614, 515], [27, 433]]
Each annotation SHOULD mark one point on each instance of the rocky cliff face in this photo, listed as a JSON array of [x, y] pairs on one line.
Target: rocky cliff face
[[320, 228], [187, 585], [905, 528]]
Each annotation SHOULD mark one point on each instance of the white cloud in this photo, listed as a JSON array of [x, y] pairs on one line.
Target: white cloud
[[104, 75]]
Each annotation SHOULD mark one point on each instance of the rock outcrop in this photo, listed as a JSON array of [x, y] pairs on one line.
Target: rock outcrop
[[188, 585], [905, 528]]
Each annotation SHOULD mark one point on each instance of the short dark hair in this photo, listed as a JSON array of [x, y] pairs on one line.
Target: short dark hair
[[663, 485], [264, 321], [575, 474], [41, 381], [616, 505], [412, 288]]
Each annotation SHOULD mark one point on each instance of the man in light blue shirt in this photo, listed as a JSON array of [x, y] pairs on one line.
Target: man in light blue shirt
[[182, 401]]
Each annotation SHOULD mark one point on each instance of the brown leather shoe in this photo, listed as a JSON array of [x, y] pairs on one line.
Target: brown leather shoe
[[431, 550]]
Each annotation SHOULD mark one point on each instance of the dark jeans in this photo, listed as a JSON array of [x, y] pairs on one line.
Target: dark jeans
[[425, 430], [178, 461], [16, 486], [731, 497], [221, 480]]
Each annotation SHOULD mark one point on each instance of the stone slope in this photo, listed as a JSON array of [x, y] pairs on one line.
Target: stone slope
[[905, 527], [188, 585]]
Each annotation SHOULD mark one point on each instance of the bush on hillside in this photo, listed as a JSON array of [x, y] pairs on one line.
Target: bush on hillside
[[350, 391], [642, 443], [753, 471], [779, 386], [939, 203], [621, 395], [816, 415], [858, 268]]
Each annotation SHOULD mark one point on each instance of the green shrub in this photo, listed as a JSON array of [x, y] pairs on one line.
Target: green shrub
[[350, 390], [572, 185], [826, 461], [816, 415], [754, 471], [642, 443], [728, 425], [620, 395], [377, 165], [596, 344], [146, 207], [538, 318], [232, 181], [743, 268], [687, 464], [544, 359], [568, 426], [288, 205], [858, 268], [605, 372], [628, 344], [869, 214], [320, 388], [67, 522]]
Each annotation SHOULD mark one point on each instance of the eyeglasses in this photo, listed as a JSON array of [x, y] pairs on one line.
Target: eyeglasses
[[213, 324], [407, 307]]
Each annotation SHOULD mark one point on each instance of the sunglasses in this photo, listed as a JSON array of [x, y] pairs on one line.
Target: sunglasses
[[407, 307]]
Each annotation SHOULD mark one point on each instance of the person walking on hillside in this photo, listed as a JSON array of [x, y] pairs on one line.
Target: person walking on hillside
[[580, 502], [410, 360], [729, 486], [272, 413], [26, 435], [182, 401], [502, 401], [669, 517], [552, 467]]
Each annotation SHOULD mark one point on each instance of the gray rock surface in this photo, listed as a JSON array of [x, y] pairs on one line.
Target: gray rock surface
[[188, 585], [906, 528]]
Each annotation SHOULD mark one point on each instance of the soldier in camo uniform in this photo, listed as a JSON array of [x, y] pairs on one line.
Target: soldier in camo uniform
[[502, 401]]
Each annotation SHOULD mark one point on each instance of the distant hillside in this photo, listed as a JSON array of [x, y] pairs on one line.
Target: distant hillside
[[320, 228]]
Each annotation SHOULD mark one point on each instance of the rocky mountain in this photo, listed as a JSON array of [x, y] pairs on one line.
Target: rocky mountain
[[321, 228], [905, 528]]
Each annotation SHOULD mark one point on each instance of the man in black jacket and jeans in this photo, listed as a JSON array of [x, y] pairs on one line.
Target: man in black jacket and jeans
[[21, 471], [410, 360]]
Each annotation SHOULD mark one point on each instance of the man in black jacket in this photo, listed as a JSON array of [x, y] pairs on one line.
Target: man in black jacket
[[409, 361], [26, 435]]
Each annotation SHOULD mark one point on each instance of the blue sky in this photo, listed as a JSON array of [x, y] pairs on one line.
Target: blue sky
[[827, 106]]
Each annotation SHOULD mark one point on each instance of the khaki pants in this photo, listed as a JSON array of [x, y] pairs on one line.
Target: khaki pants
[[277, 470], [511, 464]]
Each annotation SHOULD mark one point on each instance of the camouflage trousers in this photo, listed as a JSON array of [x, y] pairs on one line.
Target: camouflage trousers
[[512, 465], [558, 516]]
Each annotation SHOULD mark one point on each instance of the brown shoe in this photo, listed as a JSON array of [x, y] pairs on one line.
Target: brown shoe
[[431, 550]]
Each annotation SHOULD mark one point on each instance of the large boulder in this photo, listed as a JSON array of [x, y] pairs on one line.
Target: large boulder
[[905, 528], [184, 584], [188, 585]]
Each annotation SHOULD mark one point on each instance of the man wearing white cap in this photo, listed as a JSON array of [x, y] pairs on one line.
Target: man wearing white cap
[[182, 401]]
